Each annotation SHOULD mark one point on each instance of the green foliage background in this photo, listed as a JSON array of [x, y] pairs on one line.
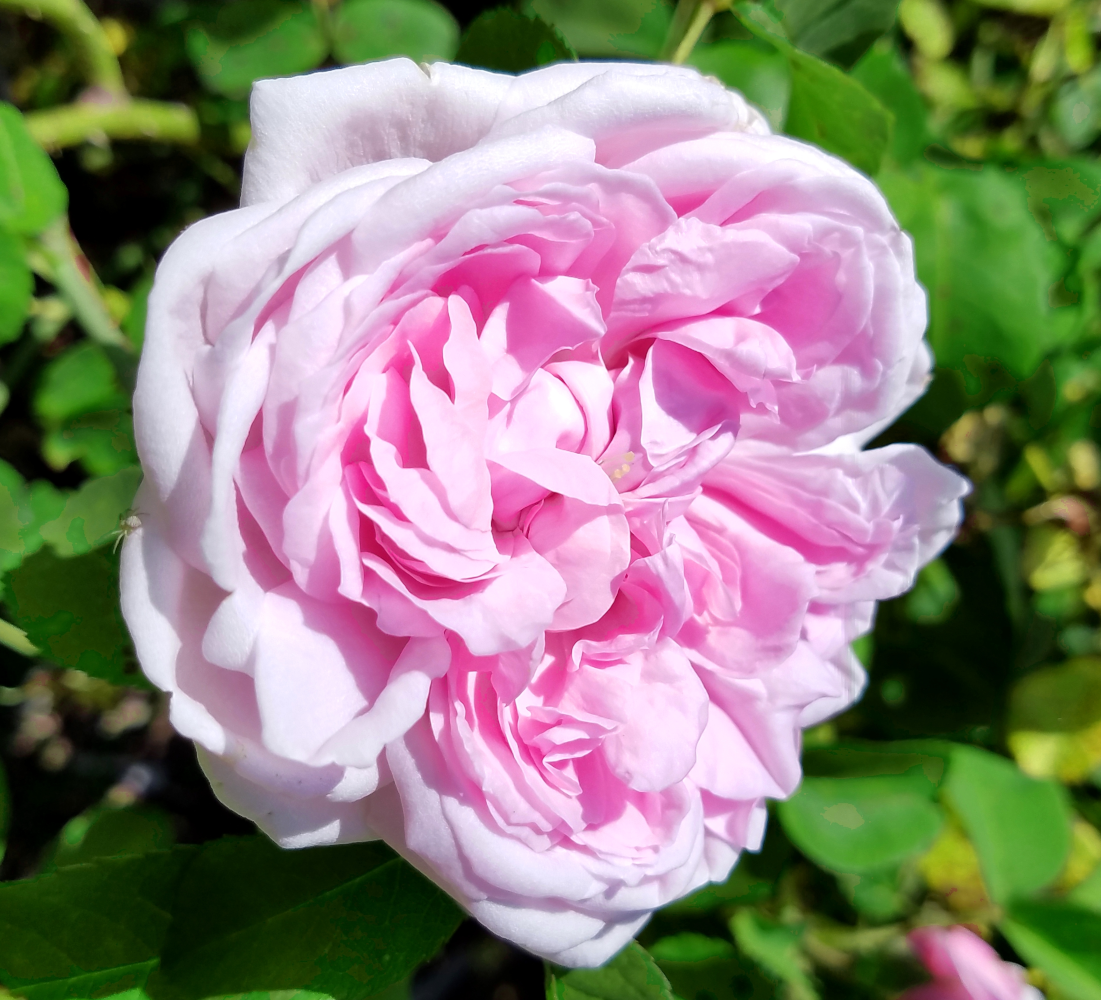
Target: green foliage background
[[964, 788]]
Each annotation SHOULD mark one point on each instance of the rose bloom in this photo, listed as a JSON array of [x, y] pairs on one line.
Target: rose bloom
[[965, 967], [503, 495]]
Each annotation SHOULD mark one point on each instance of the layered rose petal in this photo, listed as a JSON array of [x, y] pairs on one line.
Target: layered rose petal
[[503, 496], [965, 967]]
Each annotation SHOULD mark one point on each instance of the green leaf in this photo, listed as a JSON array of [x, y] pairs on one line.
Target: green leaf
[[31, 194], [80, 380], [376, 29], [827, 107], [865, 759], [16, 285], [1063, 941], [876, 895], [757, 70], [742, 887], [1020, 826], [883, 72], [90, 517], [862, 824], [631, 975], [839, 30], [1065, 197], [69, 609], [102, 442], [108, 832], [689, 946], [835, 112], [775, 948], [935, 594], [985, 263], [700, 967], [85, 412], [133, 324], [504, 40], [346, 921], [1087, 894], [13, 493], [88, 930], [24, 509], [242, 41], [1058, 699], [601, 28]]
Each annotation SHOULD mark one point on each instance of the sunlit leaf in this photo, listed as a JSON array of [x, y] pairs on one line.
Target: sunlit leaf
[[1062, 940], [862, 824], [24, 509], [376, 29], [133, 323], [598, 28], [631, 975], [1055, 720], [828, 107], [1020, 826], [986, 264], [689, 946], [90, 517], [935, 594], [883, 72], [16, 285], [236, 43], [838, 30], [753, 68], [951, 867], [80, 380], [31, 194], [775, 948]]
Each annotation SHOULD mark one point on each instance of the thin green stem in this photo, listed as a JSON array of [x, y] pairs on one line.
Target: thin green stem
[[57, 250], [689, 21], [71, 124], [73, 19], [15, 638], [323, 12]]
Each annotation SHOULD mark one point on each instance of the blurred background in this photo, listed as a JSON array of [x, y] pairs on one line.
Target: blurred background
[[991, 127]]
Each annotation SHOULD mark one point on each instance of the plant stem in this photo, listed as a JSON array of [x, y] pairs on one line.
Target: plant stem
[[73, 19], [58, 252], [72, 124], [689, 21]]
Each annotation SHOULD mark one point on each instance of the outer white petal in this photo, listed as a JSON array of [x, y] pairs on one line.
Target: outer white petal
[[308, 128], [152, 579], [566, 937], [290, 820], [629, 110]]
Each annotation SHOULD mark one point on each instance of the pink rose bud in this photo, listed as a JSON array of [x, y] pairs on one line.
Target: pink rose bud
[[503, 488], [965, 967]]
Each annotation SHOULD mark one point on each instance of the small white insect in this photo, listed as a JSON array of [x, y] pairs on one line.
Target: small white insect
[[128, 524]]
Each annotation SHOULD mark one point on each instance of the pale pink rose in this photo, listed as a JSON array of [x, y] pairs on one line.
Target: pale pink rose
[[965, 967], [503, 496]]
